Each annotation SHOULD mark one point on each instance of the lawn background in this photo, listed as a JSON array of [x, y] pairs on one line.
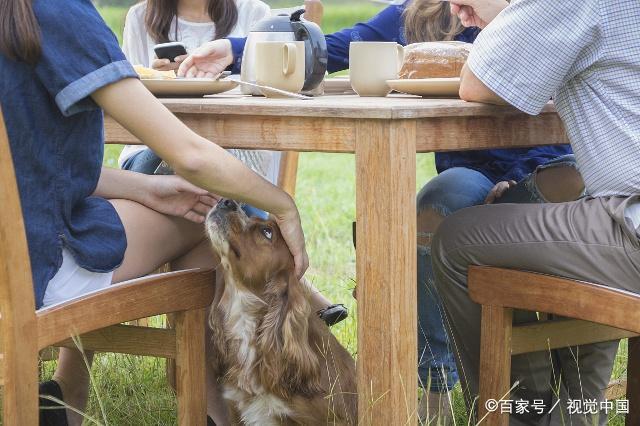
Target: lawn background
[[133, 390]]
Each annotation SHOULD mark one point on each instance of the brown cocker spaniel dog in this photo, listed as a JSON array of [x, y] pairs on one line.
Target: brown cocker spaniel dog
[[277, 361]]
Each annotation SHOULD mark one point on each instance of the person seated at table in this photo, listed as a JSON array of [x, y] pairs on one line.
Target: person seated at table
[[89, 226], [465, 178], [586, 56], [194, 23]]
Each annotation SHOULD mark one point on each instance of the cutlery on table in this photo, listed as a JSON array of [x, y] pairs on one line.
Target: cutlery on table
[[273, 89]]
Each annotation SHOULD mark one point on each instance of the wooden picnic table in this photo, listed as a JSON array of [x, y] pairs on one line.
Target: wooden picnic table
[[385, 134]]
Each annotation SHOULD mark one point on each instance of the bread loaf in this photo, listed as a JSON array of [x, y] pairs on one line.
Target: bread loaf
[[149, 73], [434, 59]]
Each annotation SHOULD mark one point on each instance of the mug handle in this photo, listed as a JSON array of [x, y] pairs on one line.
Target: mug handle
[[400, 56], [289, 58]]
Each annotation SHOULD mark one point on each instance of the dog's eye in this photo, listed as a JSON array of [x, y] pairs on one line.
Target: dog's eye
[[267, 232]]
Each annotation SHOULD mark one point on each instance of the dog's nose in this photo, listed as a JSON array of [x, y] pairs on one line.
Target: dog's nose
[[229, 204]]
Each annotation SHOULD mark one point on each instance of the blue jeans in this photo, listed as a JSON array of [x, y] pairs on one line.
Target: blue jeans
[[450, 191], [147, 162]]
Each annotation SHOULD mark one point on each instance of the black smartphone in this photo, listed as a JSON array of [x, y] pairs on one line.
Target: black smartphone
[[170, 50]]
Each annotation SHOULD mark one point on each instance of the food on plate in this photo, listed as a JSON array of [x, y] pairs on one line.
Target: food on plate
[[434, 59], [145, 73]]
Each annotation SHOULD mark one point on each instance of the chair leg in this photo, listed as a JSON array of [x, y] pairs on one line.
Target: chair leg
[[170, 366], [495, 362], [190, 367], [20, 388], [633, 381]]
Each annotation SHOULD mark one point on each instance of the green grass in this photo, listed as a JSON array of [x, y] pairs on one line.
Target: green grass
[[343, 16], [114, 17], [133, 390]]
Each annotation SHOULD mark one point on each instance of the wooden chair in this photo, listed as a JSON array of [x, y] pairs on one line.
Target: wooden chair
[[95, 318], [601, 314], [314, 11]]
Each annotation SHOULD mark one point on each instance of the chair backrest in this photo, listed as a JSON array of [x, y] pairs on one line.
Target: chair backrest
[[16, 289], [18, 326], [314, 10]]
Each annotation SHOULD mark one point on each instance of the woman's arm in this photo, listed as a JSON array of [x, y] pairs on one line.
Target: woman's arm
[[201, 162], [116, 183], [170, 195]]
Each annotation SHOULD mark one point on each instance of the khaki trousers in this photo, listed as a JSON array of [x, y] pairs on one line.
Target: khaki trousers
[[586, 240]]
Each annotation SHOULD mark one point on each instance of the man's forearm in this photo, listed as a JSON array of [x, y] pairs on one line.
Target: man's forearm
[[474, 90]]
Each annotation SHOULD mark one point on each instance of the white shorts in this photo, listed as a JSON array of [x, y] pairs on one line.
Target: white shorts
[[72, 281]]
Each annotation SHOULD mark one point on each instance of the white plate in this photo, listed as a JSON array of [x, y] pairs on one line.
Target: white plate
[[187, 86], [427, 87]]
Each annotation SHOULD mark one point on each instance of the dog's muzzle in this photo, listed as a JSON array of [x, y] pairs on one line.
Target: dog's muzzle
[[217, 220]]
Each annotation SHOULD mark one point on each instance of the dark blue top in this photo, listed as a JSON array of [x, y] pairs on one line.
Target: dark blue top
[[56, 138], [388, 25]]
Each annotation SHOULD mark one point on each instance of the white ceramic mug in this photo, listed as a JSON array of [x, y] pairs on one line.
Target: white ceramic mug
[[371, 64], [280, 64]]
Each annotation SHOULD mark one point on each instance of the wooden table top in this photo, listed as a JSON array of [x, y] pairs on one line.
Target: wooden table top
[[394, 107], [329, 123]]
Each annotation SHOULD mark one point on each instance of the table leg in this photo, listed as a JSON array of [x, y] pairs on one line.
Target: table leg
[[386, 271]]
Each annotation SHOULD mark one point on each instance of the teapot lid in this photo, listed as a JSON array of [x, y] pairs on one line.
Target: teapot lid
[[277, 24]]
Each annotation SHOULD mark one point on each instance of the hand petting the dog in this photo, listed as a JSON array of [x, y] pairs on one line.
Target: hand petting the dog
[[291, 230], [477, 13], [167, 194], [172, 195]]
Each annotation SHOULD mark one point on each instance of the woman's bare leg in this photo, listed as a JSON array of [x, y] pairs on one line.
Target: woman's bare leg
[[154, 239], [73, 378], [318, 301], [201, 256]]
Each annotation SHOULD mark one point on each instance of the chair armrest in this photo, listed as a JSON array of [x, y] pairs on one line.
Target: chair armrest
[[139, 298], [555, 295]]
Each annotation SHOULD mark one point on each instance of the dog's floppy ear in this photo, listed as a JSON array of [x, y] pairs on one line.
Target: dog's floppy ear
[[288, 361]]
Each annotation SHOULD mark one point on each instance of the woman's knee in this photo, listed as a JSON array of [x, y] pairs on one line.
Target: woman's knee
[[559, 184], [450, 191]]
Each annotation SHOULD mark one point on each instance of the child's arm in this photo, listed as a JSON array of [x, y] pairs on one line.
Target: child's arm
[[198, 160]]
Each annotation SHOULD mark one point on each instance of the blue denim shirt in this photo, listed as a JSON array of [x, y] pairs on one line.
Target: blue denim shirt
[[388, 25], [56, 138]]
